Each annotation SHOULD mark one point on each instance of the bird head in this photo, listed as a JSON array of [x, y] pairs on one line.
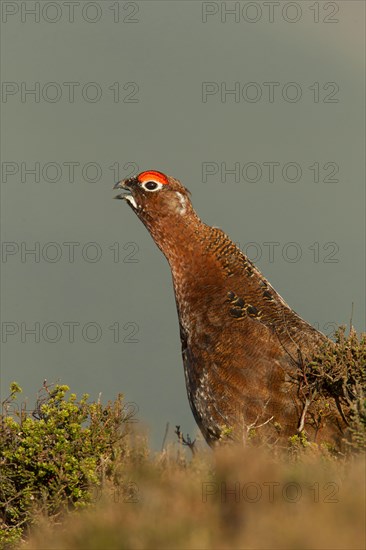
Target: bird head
[[153, 195]]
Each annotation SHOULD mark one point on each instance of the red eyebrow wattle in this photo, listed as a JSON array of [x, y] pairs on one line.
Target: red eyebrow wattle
[[153, 175]]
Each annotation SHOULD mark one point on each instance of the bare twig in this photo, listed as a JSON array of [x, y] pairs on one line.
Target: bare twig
[[165, 436], [186, 441]]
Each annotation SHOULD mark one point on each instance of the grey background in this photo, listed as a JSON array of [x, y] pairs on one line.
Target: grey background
[[169, 52]]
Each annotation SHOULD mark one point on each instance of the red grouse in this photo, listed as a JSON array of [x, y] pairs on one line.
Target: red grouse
[[243, 347]]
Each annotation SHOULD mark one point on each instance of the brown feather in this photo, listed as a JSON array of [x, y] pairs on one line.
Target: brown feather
[[243, 347]]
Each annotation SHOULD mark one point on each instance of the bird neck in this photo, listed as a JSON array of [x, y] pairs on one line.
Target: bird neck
[[179, 237]]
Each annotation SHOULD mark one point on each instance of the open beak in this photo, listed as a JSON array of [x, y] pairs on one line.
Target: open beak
[[121, 185], [127, 193]]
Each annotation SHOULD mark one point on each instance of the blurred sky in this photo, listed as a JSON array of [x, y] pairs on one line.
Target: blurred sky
[[149, 81]]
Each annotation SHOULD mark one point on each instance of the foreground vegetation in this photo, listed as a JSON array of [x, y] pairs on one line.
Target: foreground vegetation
[[76, 475]]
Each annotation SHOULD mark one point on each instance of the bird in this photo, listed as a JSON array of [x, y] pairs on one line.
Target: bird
[[244, 349]]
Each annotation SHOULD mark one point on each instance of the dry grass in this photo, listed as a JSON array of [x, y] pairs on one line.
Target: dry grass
[[227, 499]]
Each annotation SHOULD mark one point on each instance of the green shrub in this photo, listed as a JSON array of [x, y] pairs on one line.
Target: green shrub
[[51, 458], [339, 371]]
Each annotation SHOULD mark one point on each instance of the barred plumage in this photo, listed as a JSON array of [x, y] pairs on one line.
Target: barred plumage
[[243, 347]]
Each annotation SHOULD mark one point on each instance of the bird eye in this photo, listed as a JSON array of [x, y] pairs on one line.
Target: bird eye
[[151, 185]]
